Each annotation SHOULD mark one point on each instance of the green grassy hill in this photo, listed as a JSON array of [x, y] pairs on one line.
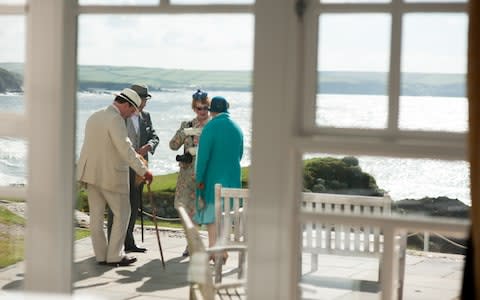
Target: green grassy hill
[[329, 82]]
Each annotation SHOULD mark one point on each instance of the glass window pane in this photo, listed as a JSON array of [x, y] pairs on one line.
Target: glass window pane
[[434, 113], [400, 178], [12, 57], [353, 58], [433, 91], [12, 150], [190, 42], [435, 43], [174, 55]]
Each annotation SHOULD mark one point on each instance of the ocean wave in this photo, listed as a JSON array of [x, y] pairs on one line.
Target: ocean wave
[[13, 149]]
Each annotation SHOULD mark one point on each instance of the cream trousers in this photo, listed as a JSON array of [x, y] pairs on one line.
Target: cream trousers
[[112, 250]]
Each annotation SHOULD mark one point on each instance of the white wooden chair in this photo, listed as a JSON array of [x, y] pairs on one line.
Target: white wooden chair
[[230, 221], [230, 213], [202, 286]]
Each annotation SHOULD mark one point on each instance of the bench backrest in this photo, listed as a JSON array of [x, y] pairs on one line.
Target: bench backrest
[[320, 237], [231, 226]]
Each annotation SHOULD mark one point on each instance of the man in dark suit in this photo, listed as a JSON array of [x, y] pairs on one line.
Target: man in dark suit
[[144, 140]]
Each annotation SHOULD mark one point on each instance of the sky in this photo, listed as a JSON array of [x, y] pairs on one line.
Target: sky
[[431, 42]]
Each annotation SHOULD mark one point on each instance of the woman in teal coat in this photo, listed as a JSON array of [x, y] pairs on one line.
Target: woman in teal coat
[[218, 161]]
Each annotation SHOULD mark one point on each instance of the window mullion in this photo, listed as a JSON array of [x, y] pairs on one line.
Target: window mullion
[[50, 101], [394, 76]]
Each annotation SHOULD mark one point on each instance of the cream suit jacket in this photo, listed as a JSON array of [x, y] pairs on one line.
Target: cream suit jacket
[[107, 152]]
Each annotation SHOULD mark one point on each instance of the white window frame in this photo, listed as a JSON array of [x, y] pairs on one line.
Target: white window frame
[[282, 130], [391, 141]]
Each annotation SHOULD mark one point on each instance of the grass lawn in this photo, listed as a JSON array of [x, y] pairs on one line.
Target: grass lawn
[[11, 237], [11, 249], [8, 218], [81, 233], [12, 241]]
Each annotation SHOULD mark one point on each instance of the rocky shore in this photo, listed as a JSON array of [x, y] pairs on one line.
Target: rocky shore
[[434, 207]]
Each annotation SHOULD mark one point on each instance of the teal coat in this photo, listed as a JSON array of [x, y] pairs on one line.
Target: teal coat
[[218, 161]]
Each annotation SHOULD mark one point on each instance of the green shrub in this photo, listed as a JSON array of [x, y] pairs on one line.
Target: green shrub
[[341, 176], [350, 161]]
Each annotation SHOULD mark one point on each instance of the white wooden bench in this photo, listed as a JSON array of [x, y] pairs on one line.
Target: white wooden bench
[[318, 238], [337, 239], [231, 227]]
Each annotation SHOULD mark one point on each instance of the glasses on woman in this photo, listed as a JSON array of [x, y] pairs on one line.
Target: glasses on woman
[[200, 108], [199, 95]]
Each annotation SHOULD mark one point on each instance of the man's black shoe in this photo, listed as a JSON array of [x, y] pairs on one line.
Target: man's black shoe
[[102, 263], [135, 249], [126, 261]]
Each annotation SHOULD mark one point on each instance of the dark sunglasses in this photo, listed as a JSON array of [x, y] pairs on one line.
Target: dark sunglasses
[[200, 108]]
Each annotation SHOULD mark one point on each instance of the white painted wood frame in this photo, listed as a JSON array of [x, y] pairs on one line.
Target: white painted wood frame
[[282, 124], [50, 90], [275, 173]]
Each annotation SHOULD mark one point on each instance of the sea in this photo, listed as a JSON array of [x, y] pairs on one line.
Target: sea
[[401, 178]]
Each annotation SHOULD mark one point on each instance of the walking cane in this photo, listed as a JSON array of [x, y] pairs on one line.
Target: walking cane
[[154, 216]]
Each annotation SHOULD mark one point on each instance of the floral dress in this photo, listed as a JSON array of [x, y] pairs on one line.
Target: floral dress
[[185, 191]]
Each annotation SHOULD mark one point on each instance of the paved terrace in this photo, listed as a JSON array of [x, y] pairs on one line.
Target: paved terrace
[[428, 275]]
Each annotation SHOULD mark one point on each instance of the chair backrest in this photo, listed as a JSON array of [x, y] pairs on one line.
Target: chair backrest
[[199, 273], [231, 226]]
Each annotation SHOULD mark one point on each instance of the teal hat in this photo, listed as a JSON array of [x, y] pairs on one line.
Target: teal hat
[[219, 104]]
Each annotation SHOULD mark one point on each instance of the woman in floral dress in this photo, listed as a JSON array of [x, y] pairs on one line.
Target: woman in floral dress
[[188, 135]]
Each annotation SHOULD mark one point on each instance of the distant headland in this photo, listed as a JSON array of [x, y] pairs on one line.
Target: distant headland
[[94, 78]]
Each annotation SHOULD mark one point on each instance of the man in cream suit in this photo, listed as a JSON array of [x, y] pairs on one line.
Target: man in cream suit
[[144, 140], [103, 166]]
